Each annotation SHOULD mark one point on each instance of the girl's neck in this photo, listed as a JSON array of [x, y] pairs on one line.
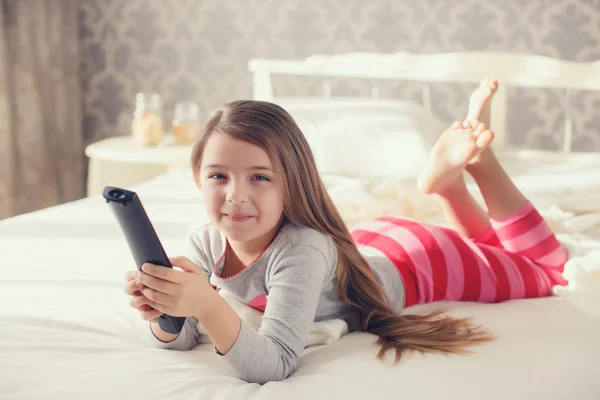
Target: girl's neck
[[243, 252], [247, 252]]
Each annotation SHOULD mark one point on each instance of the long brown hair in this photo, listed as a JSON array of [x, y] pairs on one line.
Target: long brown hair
[[307, 203]]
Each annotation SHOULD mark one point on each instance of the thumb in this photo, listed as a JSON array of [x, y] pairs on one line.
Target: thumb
[[185, 264]]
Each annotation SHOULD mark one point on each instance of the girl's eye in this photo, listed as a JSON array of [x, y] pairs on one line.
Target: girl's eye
[[217, 176], [261, 178]]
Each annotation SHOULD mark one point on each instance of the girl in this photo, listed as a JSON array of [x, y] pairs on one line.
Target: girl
[[278, 243]]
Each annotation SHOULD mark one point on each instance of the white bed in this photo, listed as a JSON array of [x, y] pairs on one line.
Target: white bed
[[67, 331]]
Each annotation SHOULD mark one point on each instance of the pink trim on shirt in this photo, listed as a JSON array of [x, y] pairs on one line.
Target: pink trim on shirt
[[245, 268]]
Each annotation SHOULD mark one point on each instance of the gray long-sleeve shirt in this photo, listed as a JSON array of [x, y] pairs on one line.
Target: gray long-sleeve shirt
[[297, 273]]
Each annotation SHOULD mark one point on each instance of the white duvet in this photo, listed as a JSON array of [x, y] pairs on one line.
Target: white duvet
[[67, 332]]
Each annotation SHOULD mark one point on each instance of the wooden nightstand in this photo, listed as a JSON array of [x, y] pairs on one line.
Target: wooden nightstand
[[118, 161]]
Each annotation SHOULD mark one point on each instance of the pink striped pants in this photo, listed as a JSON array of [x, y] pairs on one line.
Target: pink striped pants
[[518, 257]]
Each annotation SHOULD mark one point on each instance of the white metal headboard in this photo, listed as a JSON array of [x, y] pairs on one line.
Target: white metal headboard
[[515, 69]]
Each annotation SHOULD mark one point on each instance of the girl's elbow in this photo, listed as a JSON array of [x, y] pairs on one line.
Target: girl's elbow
[[278, 373]]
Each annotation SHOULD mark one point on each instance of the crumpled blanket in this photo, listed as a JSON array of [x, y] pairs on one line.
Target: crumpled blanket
[[583, 289]]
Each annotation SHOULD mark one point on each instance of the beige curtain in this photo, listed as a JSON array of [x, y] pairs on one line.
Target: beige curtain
[[41, 144]]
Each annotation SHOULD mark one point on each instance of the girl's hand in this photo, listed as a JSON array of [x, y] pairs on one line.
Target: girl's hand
[[138, 301], [177, 293]]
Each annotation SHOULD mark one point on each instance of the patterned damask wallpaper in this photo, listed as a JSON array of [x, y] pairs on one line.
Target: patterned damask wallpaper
[[198, 49]]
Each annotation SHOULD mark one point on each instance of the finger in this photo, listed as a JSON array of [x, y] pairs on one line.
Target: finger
[[455, 124], [138, 302], [145, 307], [161, 285], [158, 297], [150, 315], [130, 275], [168, 274], [164, 309], [185, 264], [132, 287]]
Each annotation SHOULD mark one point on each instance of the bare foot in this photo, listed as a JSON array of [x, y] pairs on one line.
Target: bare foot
[[480, 101], [479, 110], [454, 149]]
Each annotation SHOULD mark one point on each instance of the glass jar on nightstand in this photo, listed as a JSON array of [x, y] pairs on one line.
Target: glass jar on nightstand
[[186, 122], [147, 125]]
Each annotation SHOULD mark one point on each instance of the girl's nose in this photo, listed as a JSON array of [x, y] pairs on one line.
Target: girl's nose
[[237, 194]]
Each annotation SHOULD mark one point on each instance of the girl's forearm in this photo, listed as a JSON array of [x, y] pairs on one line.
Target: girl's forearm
[[221, 322]]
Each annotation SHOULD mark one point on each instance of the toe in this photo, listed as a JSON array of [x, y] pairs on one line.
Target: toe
[[484, 139], [473, 124], [479, 128], [489, 84]]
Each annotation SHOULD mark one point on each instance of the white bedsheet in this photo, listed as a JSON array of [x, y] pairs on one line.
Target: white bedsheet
[[67, 331]]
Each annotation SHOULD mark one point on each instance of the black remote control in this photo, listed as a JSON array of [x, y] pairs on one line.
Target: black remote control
[[142, 239]]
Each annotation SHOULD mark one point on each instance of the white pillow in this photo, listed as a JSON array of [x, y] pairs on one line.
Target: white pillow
[[366, 138], [372, 146]]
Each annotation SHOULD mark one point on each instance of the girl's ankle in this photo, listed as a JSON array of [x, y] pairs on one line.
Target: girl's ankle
[[454, 189]]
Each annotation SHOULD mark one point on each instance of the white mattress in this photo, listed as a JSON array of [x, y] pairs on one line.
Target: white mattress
[[68, 332]]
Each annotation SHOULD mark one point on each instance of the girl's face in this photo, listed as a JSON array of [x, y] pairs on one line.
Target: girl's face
[[243, 193]]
